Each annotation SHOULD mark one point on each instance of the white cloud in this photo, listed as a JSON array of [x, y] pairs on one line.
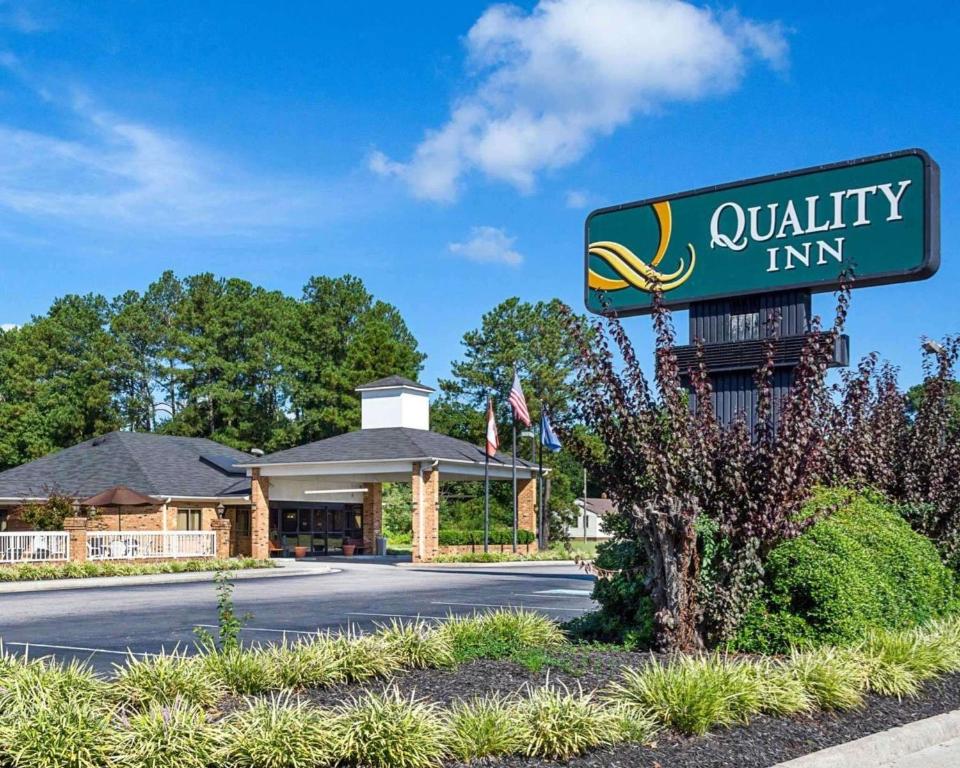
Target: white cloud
[[576, 198], [552, 81], [107, 171], [488, 245]]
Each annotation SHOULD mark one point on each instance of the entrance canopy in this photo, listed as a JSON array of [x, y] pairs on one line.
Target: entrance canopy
[[351, 468], [387, 455]]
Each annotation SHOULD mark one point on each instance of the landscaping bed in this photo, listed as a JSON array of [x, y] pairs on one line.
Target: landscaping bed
[[767, 740], [89, 570], [576, 668], [498, 689]]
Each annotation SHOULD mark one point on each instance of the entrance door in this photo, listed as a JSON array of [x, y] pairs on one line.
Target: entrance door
[[336, 530]]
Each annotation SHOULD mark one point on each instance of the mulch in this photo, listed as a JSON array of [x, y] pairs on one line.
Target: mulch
[[766, 741]]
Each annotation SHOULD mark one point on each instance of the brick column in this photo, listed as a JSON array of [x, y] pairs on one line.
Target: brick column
[[372, 516], [222, 530], [426, 513], [259, 515], [527, 508], [76, 528]]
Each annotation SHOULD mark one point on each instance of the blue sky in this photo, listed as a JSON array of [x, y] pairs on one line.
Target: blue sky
[[447, 153]]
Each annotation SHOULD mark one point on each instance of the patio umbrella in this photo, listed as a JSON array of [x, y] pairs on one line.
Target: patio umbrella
[[120, 496]]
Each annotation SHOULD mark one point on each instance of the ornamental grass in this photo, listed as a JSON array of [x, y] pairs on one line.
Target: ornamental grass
[[562, 724], [500, 633], [390, 730], [279, 732], [163, 679], [175, 735], [487, 727]]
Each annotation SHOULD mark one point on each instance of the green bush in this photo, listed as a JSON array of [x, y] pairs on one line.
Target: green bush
[[48, 571], [498, 536], [626, 610], [859, 569]]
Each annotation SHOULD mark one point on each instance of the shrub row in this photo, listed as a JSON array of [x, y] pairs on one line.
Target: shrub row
[[61, 715], [695, 694], [314, 661], [554, 553], [47, 571], [455, 537], [74, 729]]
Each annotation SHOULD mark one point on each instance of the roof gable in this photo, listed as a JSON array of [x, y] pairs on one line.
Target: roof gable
[[389, 443]]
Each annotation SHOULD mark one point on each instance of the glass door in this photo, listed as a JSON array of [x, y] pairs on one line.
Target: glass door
[[336, 531]]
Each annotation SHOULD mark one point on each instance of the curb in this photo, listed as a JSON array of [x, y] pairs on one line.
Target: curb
[[102, 582], [885, 747], [505, 564]]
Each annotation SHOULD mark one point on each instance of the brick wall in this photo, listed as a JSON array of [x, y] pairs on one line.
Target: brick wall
[[260, 515], [527, 507], [372, 516], [426, 521]]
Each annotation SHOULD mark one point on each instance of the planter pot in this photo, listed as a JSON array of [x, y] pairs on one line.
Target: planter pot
[[299, 552], [349, 549]]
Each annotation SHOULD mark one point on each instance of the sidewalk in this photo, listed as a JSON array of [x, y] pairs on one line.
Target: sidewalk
[[293, 569], [930, 743]]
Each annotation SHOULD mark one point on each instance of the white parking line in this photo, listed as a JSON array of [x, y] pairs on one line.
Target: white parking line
[[566, 592], [397, 615], [79, 648], [509, 605], [581, 595], [266, 629]]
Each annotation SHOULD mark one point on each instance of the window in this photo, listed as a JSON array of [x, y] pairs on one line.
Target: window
[[188, 519], [243, 522], [3, 519]]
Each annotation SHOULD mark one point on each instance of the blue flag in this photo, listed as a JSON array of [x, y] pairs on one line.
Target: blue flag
[[548, 438]]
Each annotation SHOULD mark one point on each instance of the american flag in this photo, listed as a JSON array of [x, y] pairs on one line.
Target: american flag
[[518, 403], [493, 440]]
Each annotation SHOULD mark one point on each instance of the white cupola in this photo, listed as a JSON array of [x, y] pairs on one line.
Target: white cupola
[[394, 402]]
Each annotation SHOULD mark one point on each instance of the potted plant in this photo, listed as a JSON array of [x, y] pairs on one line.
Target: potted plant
[[349, 548], [299, 551]]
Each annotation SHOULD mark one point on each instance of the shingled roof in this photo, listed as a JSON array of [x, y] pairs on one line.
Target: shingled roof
[[393, 381], [383, 445], [157, 465]]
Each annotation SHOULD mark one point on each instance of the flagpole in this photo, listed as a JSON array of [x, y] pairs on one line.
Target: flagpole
[[486, 500], [515, 520], [540, 483]]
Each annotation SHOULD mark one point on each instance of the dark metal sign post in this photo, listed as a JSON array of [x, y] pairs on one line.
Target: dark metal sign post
[[738, 253]]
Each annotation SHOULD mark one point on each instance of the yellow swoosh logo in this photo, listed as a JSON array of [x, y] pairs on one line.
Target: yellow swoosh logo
[[632, 271]]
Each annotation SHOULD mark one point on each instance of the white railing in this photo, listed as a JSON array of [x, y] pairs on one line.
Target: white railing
[[34, 547], [149, 545]]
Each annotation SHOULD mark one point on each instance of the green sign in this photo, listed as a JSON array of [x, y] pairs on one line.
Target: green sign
[[877, 218]]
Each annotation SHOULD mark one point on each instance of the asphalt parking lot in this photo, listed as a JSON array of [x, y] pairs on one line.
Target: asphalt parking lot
[[102, 625]]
